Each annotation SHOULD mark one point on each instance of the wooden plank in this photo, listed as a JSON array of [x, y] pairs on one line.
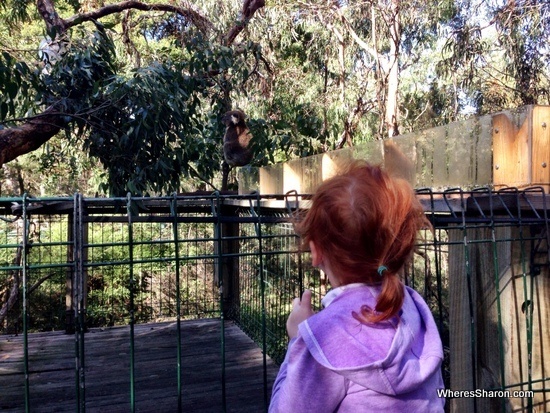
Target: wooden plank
[[107, 374], [400, 159], [461, 143], [271, 179], [511, 152], [541, 146]]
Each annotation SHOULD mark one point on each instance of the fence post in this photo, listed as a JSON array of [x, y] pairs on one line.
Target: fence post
[[521, 156], [512, 148], [70, 275], [528, 336], [498, 284], [79, 294], [477, 354], [132, 291], [541, 146], [175, 234], [76, 274], [25, 315], [230, 263], [461, 348]]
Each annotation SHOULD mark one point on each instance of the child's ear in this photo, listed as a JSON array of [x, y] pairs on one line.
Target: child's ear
[[316, 256]]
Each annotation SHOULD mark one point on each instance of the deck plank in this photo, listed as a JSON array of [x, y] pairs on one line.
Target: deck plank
[[107, 370]]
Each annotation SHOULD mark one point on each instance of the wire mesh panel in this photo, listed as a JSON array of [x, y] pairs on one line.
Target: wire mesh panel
[[483, 268], [271, 277], [154, 270], [428, 273], [48, 265], [11, 253], [35, 258], [497, 271]]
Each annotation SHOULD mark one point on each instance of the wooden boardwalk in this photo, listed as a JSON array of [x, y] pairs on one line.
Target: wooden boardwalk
[[107, 373]]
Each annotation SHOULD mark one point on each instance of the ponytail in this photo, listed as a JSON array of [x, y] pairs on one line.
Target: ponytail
[[388, 304]]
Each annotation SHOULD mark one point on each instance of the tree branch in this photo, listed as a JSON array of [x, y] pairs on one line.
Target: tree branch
[[360, 42], [30, 136], [249, 8], [40, 282], [46, 9], [201, 22]]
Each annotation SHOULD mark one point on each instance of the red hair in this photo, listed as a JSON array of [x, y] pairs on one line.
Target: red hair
[[361, 220]]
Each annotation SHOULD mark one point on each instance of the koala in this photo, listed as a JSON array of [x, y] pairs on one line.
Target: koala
[[236, 139]]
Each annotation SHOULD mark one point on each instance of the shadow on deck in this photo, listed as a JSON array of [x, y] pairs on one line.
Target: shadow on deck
[[52, 380]]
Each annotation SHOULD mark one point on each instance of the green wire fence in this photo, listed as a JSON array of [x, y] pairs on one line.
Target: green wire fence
[[77, 264]]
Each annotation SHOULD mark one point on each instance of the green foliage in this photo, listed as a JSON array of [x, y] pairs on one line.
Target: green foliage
[[17, 87], [496, 53], [144, 92], [59, 168], [69, 82], [523, 32], [142, 132], [18, 10]]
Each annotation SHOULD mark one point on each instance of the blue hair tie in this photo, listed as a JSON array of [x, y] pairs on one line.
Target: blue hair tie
[[381, 269]]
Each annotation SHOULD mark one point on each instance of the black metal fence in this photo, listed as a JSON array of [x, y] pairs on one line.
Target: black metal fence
[[74, 263]]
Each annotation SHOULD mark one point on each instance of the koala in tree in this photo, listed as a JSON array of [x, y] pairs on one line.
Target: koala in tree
[[236, 139]]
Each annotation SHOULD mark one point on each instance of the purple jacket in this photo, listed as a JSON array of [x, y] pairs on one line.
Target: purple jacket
[[337, 364]]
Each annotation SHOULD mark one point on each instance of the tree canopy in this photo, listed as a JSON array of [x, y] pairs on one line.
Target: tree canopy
[[140, 87]]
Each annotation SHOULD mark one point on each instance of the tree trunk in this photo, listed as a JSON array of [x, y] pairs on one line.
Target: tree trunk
[[392, 73]]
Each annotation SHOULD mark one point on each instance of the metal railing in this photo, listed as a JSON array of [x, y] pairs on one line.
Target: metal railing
[[75, 263]]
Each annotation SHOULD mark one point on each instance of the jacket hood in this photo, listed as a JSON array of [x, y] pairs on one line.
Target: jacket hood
[[392, 357]]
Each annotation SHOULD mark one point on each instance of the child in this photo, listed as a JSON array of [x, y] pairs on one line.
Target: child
[[375, 346]]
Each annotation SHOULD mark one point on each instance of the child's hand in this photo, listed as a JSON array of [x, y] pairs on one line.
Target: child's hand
[[301, 310]]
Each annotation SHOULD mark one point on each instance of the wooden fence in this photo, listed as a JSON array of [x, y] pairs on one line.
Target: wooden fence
[[509, 148], [499, 278]]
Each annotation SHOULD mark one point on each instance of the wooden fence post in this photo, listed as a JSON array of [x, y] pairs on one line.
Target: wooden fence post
[[70, 277], [487, 350], [511, 151], [476, 355], [230, 264], [541, 146], [76, 274]]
